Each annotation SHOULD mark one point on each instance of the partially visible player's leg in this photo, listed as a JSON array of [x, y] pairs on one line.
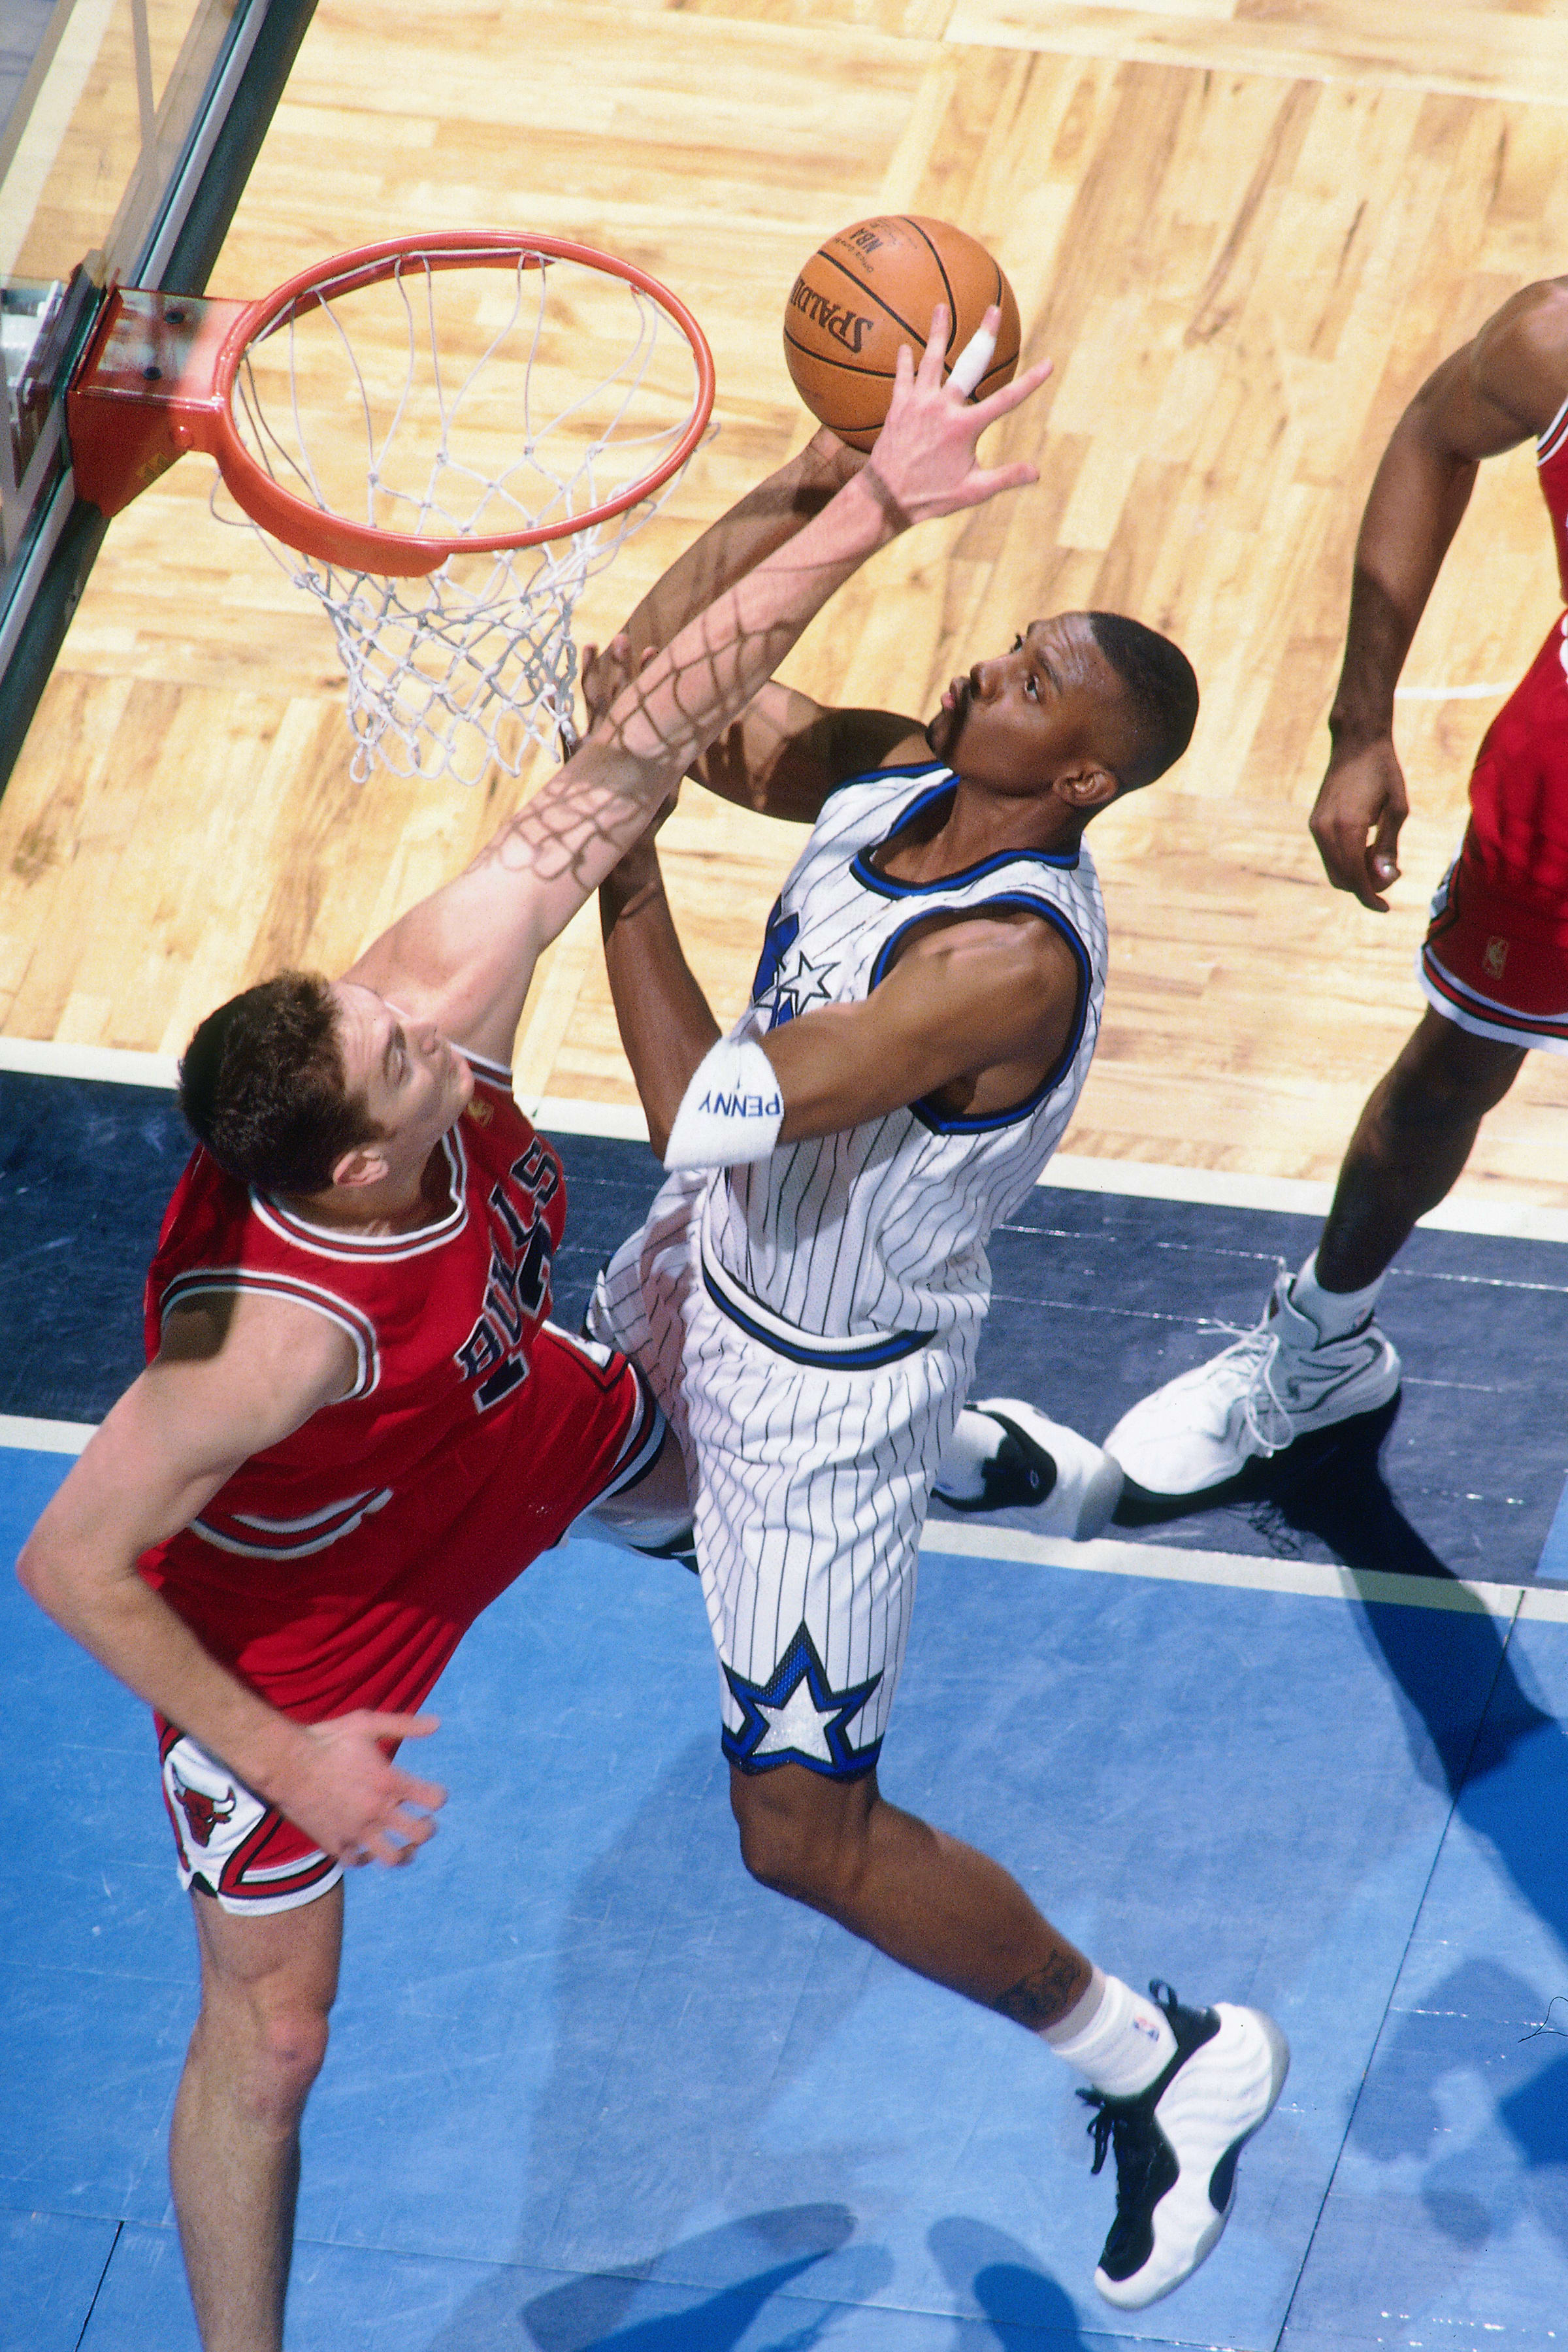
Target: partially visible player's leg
[[1177, 2091], [1411, 1142], [1494, 969], [267, 1985], [1319, 1356], [924, 1898]]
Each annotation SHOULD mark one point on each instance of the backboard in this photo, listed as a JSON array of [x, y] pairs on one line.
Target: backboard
[[127, 128]]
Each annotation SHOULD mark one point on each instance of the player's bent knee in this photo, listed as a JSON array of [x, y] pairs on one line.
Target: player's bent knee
[[798, 1840], [1446, 1075]]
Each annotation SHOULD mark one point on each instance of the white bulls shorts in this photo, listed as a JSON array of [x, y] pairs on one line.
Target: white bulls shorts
[[809, 1483]]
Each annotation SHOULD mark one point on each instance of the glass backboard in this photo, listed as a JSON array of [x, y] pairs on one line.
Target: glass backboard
[[127, 128]]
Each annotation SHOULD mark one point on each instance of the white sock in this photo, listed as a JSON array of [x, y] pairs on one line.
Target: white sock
[[1115, 2036], [1334, 1312], [975, 1441]]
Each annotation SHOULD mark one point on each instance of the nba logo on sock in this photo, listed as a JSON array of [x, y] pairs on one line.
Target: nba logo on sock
[[1496, 957]]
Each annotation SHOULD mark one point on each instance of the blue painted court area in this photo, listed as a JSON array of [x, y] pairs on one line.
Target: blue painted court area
[[591, 2088]]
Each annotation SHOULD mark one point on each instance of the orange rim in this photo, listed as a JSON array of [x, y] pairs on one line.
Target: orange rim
[[334, 538]]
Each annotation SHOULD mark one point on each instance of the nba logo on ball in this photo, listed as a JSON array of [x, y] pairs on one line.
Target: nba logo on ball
[[873, 286]]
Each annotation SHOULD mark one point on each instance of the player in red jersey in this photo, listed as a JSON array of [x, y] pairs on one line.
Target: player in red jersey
[[355, 1426], [1494, 967]]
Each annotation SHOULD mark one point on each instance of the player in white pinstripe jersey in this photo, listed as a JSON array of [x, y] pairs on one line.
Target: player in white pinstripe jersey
[[860, 1252], [808, 1289]]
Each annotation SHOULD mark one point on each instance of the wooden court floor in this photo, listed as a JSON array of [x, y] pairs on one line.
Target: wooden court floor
[[1244, 230]]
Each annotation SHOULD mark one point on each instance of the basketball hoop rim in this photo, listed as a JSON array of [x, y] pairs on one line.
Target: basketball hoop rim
[[328, 538]]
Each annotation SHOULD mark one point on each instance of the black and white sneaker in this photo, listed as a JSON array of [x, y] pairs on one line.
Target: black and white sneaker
[[1071, 1484], [1176, 2145]]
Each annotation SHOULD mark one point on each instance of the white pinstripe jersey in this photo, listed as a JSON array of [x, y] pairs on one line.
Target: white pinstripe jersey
[[881, 1229]]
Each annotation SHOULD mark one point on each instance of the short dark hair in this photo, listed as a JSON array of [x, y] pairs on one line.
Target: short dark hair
[[1162, 687], [262, 1086]]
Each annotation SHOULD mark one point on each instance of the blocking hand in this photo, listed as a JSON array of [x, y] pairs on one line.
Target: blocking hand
[[342, 1788], [924, 456]]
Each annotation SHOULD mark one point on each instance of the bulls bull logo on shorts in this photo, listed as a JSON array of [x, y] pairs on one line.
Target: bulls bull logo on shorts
[[203, 1812]]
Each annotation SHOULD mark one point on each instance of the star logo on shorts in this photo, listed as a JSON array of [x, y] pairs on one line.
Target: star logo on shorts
[[797, 1717]]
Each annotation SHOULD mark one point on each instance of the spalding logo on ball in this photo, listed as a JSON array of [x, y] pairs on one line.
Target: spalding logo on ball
[[874, 287]]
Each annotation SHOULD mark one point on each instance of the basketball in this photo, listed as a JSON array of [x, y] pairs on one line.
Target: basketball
[[874, 287]]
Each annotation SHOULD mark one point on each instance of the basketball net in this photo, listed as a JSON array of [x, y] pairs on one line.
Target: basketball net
[[499, 404]]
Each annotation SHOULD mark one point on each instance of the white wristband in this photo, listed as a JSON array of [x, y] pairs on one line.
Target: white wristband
[[973, 360], [731, 1112]]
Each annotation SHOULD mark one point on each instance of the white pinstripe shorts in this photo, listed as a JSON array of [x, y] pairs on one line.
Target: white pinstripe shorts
[[809, 1486]]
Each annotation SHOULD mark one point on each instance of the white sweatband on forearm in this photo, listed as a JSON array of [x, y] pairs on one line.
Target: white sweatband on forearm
[[731, 1112], [973, 360]]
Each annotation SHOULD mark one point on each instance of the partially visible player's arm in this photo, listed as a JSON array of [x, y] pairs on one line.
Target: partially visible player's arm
[[784, 753], [465, 956], [233, 1377], [976, 1010], [1499, 388]]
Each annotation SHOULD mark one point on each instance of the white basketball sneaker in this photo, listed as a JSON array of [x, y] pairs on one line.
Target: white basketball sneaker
[[1071, 1486], [1274, 1384], [1176, 2145]]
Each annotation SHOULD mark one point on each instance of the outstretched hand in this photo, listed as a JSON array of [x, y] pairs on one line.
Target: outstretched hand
[[342, 1788], [1363, 795], [924, 458]]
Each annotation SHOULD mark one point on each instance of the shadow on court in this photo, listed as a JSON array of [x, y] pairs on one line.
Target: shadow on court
[[979, 2261], [1500, 1763], [593, 2312]]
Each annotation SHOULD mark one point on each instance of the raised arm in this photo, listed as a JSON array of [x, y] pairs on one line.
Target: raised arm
[[466, 955], [1498, 389], [784, 753], [233, 1377]]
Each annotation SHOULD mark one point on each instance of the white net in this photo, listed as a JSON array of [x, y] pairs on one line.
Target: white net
[[465, 402]]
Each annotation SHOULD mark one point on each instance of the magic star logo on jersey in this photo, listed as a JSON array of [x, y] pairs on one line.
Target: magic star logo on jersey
[[786, 981], [516, 1293]]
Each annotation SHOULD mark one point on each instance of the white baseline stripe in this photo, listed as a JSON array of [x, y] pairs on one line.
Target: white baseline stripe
[[50, 1060], [1220, 1187], [30, 1436], [1307, 1579]]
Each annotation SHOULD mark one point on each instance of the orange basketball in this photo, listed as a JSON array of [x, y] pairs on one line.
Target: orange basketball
[[874, 287]]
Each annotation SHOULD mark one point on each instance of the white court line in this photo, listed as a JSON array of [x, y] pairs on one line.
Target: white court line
[[1307, 1579], [48, 1060], [29, 1436], [1220, 1187]]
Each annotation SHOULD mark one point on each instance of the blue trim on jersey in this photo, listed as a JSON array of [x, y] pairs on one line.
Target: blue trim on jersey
[[886, 888], [833, 1710], [924, 1111], [885, 1349]]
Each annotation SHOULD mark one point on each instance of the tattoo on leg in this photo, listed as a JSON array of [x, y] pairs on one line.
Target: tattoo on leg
[[1040, 1998]]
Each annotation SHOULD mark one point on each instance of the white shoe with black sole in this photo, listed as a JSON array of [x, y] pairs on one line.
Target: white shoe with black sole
[[1071, 1486], [1176, 2145], [1274, 1384]]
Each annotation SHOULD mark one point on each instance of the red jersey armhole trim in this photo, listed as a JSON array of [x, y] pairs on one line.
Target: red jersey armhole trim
[[1552, 443], [197, 1281]]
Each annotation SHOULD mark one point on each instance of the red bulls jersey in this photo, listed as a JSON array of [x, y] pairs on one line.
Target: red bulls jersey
[[1552, 461], [1512, 879], [442, 1321]]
